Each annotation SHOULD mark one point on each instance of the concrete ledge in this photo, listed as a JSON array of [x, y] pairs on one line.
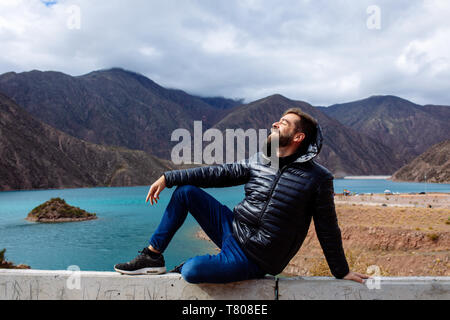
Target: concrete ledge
[[378, 288], [67, 285]]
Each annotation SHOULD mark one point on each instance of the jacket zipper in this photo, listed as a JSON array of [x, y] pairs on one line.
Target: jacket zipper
[[268, 199]]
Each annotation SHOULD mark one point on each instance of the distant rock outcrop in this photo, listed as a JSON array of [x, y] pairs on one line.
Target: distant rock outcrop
[[431, 166], [57, 210]]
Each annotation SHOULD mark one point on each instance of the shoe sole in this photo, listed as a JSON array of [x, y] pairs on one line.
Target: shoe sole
[[153, 271]]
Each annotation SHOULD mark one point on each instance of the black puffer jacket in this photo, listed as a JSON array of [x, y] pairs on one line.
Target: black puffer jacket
[[272, 221]]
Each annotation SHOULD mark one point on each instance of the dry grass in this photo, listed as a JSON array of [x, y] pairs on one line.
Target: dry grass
[[357, 262]]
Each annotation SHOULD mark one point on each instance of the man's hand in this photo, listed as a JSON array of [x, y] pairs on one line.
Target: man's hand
[[358, 277], [155, 190]]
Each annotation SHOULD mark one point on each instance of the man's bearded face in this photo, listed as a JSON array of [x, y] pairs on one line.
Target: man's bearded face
[[284, 138]]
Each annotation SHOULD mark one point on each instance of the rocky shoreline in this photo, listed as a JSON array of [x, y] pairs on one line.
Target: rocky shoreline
[[427, 200], [59, 220], [8, 264]]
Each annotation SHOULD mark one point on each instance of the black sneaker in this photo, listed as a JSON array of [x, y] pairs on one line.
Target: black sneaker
[[177, 269], [145, 263]]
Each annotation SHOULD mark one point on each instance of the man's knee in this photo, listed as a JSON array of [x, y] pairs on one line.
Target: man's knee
[[185, 193], [186, 190], [191, 271]]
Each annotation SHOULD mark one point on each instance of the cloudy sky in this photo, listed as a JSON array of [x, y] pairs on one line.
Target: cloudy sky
[[322, 52]]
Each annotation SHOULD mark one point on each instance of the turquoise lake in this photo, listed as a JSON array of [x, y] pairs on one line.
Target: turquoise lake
[[124, 225]]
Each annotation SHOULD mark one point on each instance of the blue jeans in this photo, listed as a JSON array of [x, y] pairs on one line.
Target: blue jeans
[[231, 264]]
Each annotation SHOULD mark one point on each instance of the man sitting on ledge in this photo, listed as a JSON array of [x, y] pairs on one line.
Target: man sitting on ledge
[[263, 232]]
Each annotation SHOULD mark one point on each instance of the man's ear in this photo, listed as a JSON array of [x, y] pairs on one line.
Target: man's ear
[[299, 137]]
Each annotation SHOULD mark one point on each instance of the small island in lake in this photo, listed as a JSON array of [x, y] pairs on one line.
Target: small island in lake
[[57, 210]]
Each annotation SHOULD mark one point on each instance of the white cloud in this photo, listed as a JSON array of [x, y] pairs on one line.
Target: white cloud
[[431, 55], [317, 51], [220, 41], [149, 51]]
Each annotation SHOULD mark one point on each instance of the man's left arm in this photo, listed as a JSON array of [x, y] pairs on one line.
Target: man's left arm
[[329, 234], [327, 229]]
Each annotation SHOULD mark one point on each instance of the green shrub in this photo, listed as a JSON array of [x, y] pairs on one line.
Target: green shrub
[[61, 207], [433, 237]]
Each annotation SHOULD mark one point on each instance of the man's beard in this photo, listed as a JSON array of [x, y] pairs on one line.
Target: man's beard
[[282, 140]]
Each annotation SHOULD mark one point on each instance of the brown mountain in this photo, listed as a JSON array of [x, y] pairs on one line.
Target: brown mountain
[[409, 129], [431, 166], [33, 155], [112, 107], [345, 151], [122, 108]]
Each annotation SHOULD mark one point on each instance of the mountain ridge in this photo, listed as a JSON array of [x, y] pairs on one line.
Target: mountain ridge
[[36, 156], [120, 108], [113, 107], [406, 127], [431, 166]]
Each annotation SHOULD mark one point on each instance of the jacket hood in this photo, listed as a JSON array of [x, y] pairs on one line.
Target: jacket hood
[[314, 147]]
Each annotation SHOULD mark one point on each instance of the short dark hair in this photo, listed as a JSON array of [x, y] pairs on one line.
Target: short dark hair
[[307, 125]]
